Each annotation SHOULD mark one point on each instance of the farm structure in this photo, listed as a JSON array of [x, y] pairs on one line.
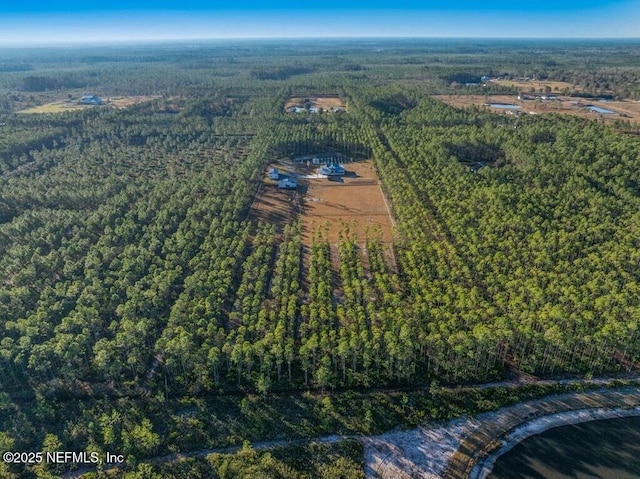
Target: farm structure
[[356, 199], [619, 110], [523, 96], [315, 104], [332, 169], [323, 158], [311, 109], [90, 99], [287, 184], [71, 105], [274, 174]]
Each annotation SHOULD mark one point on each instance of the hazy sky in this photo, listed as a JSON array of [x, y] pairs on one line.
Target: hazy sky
[[39, 21]]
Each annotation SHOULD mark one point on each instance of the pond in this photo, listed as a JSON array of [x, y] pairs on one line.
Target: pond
[[505, 106], [597, 109], [603, 449]]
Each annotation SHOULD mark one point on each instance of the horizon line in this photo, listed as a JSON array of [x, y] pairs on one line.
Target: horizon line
[[141, 41]]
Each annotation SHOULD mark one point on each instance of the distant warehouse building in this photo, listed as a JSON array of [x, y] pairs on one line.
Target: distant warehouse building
[[287, 184], [90, 100]]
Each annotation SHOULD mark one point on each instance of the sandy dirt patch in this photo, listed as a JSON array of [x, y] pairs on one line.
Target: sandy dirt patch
[[461, 447], [275, 205], [622, 110], [530, 86], [355, 199], [417, 454], [328, 102], [323, 204], [125, 101]]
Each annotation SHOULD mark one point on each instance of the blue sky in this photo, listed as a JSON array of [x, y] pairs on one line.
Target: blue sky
[[39, 21]]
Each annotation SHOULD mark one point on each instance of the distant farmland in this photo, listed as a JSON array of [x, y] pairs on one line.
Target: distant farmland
[[622, 110], [72, 105], [529, 86]]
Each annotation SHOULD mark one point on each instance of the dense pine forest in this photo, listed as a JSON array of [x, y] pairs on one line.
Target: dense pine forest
[[145, 309]]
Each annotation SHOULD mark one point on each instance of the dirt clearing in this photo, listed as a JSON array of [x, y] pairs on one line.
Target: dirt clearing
[[328, 102], [322, 202], [355, 199], [125, 101], [530, 86], [463, 447], [71, 105], [326, 204], [626, 110], [273, 205]]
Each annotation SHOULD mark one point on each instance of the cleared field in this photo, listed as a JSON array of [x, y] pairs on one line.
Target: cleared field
[[273, 205], [538, 86], [622, 110], [629, 107], [324, 204], [355, 199], [324, 102], [321, 202], [66, 105], [125, 101], [55, 107]]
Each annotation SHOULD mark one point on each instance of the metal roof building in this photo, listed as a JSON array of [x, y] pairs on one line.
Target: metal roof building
[[332, 169], [287, 184]]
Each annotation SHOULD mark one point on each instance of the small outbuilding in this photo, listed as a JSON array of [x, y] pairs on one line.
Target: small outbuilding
[[90, 100], [274, 174], [287, 184]]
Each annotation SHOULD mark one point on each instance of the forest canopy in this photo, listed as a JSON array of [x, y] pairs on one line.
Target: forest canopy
[[133, 269]]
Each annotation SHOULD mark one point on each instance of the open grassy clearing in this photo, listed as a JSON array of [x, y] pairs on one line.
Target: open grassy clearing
[[630, 107], [60, 106], [125, 101], [531, 86], [55, 107], [623, 110]]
